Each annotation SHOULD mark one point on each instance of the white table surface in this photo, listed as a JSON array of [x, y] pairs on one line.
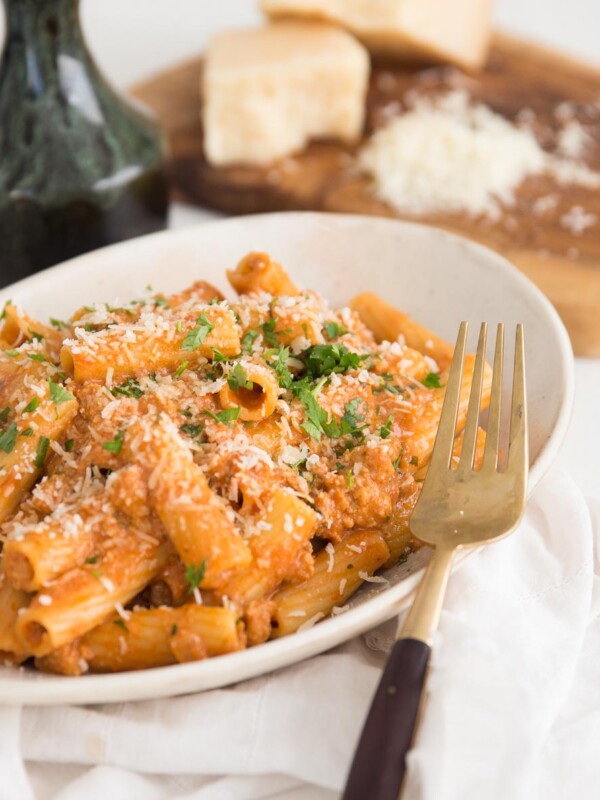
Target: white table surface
[[133, 38]]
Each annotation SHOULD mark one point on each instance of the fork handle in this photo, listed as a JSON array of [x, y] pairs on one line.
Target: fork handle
[[379, 763]]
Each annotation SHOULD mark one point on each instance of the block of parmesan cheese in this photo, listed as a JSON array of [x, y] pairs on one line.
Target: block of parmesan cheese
[[448, 31], [267, 91]]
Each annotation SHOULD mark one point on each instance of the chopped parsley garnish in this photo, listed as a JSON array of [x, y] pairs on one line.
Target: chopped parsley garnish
[[27, 432], [131, 388], [192, 429], [115, 445], [69, 444], [181, 369], [92, 560], [162, 302], [248, 340], [194, 576], [268, 332], [41, 451], [281, 368], [227, 416], [59, 324], [386, 428], [197, 335], [323, 359], [387, 385], [37, 337], [186, 412], [8, 303], [238, 379], [36, 357], [11, 353], [218, 356], [58, 393], [5, 413], [333, 330], [432, 381], [398, 459], [31, 406], [349, 424], [173, 630], [120, 623], [350, 479], [317, 419], [8, 438]]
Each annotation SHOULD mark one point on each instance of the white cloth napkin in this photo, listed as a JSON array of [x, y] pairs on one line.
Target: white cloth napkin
[[513, 708]]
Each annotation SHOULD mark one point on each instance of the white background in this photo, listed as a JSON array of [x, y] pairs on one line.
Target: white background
[[134, 38]]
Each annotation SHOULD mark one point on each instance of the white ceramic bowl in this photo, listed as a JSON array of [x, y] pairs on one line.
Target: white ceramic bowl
[[438, 278]]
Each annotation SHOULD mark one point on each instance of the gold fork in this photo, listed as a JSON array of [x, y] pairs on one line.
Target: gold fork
[[458, 507]]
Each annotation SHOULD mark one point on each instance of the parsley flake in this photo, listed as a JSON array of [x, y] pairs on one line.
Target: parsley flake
[[27, 432], [268, 332], [238, 379], [248, 340], [31, 406], [59, 324], [197, 335], [36, 357], [193, 429], [8, 438], [69, 444], [227, 416], [281, 368], [131, 388], [432, 381], [58, 393], [41, 452], [323, 359], [115, 445], [194, 576], [218, 356], [5, 413], [333, 330], [181, 369], [386, 428]]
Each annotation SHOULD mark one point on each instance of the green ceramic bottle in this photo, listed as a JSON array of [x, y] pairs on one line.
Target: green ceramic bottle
[[80, 167]]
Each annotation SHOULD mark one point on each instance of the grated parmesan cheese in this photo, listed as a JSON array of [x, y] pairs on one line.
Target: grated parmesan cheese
[[446, 155]]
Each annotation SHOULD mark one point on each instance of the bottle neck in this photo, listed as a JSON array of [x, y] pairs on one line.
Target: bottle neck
[[43, 24]]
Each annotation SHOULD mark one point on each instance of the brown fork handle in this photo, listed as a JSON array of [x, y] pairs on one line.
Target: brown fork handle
[[379, 763]]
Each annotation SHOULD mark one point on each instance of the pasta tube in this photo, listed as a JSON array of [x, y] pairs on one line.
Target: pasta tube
[[257, 272], [152, 638], [388, 323], [288, 526], [85, 596], [255, 395], [155, 343], [339, 572], [194, 518]]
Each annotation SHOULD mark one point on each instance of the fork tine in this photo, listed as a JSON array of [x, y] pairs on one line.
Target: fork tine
[[517, 448], [490, 454], [444, 441], [467, 455]]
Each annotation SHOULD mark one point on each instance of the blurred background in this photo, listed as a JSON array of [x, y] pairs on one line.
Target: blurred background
[[132, 38]]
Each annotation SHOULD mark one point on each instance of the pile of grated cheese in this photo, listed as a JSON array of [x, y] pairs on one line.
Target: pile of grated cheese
[[447, 155]]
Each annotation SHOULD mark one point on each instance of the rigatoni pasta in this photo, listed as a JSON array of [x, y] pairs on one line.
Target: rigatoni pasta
[[184, 476]]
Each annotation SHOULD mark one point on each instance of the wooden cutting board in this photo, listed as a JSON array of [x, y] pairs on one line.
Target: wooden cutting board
[[520, 78]]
